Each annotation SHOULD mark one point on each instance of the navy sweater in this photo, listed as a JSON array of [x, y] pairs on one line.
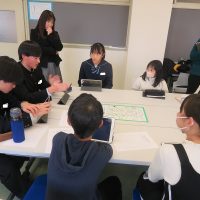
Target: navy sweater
[[102, 72], [74, 168]]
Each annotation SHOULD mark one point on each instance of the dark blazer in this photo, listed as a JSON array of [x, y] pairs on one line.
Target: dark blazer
[[102, 72], [50, 45], [33, 87]]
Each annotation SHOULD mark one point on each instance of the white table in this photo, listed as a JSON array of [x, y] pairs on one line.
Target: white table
[[161, 126]]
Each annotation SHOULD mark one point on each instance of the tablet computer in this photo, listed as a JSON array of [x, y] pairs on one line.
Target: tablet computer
[[91, 85], [105, 133]]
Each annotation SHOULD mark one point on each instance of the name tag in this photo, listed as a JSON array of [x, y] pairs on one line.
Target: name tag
[[5, 105], [39, 82], [103, 73]]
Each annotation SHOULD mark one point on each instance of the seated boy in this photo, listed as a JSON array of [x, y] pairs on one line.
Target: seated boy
[[10, 74], [34, 87], [76, 162]]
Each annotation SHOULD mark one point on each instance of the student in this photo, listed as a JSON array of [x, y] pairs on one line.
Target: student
[[194, 77], [10, 175], [151, 78], [179, 164], [76, 162], [34, 88], [48, 39], [96, 67]]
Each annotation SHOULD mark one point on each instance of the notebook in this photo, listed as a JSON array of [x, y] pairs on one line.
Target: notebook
[[91, 85], [106, 132]]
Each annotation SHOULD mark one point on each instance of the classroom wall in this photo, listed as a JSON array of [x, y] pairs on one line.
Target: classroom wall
[[73, 57], [147, 35]]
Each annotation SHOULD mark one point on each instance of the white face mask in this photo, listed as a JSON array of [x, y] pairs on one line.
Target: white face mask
[[185, 127], [150, 74]]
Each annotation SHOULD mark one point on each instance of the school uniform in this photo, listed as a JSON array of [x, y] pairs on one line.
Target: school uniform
[[74, 168], [10, 166], [50, 45], [141, 84], [179, 166], [33, 87], [103, 71]]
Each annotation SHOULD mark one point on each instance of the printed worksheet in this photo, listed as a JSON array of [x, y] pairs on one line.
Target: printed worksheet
[[125, 112]]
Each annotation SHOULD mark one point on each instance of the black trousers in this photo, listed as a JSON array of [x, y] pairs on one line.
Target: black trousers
[[110, 188], [10, 174], [193, 83]]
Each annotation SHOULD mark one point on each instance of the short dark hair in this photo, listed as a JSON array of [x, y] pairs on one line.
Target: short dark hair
[[157, 65], [98, 48], [191, 107], [10, 71], [29, 48], [85, 115]]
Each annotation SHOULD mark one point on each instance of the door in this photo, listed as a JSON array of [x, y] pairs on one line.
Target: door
[[12, 27]]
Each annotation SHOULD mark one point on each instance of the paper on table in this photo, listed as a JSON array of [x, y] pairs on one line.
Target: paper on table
[[133, 141], [63, 119], [52, 132], [33, 136]]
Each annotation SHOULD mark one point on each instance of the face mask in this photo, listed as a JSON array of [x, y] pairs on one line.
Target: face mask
[[150, 74], [185, 127]]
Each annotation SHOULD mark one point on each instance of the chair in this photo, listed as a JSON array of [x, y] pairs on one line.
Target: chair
[[37, 189], [136, 194], [180, 86]]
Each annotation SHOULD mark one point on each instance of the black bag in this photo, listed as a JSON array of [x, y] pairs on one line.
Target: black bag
[[149, 190]]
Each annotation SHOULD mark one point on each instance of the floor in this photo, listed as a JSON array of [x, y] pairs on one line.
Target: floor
[[128, 175]]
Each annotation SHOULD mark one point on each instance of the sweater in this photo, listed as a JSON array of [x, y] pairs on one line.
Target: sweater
[[33, 86], [103, 71], [50, 46], [141, 84], [74, 168], [195, 58]]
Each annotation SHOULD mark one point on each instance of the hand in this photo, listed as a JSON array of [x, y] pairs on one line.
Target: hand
[[43, 108], [58, 87], [49, 30], [29, 108], [54, 79]]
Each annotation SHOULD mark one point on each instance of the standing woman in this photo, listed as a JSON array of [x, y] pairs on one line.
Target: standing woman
[[48, 39]]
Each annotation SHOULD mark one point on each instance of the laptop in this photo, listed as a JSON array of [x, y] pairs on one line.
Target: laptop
[[91, 85], [106, 132]]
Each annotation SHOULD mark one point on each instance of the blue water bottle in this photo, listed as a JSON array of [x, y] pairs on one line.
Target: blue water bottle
[[17, 125]]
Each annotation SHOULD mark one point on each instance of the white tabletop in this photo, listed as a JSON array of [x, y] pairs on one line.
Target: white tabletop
[[159, 127]]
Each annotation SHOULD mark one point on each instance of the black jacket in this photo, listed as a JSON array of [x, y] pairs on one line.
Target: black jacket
[[33, 87], [102, 72], [50, 45]]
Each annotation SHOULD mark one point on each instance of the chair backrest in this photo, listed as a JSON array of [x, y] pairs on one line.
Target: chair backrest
[[181, 84], [37, 189]]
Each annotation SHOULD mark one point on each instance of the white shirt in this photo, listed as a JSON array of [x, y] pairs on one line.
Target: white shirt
[[141, 84], [166, 164]]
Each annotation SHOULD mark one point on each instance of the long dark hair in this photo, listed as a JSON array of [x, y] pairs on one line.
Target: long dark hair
[[45, 16], [157, 65]]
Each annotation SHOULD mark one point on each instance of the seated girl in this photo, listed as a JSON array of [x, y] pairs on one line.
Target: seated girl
[[151, 78], [97, 67], [178, 164]]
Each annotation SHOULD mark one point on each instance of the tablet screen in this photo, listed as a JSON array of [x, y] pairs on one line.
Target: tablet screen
[[105, 133]]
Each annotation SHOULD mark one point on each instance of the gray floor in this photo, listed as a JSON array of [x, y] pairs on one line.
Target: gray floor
[[128, 175]]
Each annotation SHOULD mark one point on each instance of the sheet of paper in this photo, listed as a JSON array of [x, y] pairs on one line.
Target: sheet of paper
[[125, 112], [33, 136], [52, 132], [128, 141]]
